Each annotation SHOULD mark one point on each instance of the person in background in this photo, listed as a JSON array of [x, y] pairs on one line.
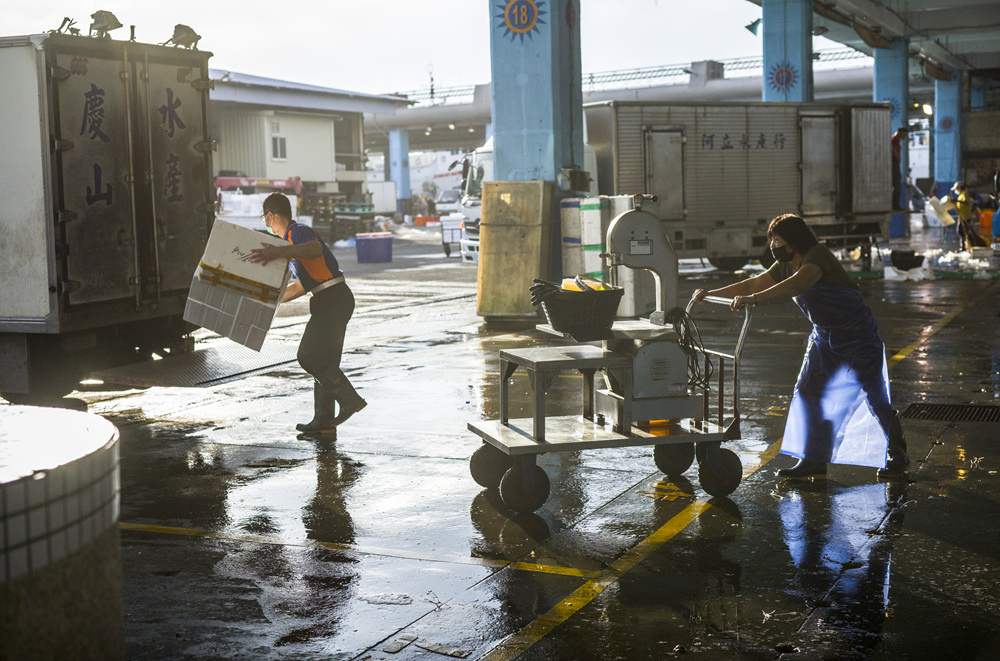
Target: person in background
[[963, 206], [896, 142], [996, 206], [840, 411], [315, 270]]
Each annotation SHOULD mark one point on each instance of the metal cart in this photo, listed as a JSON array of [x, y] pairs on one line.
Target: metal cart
[[451, 231], [507, 458]]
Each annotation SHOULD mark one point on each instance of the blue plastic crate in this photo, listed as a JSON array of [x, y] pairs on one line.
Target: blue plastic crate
[[373, 247]]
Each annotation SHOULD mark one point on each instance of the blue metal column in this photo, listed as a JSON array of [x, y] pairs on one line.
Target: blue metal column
[[892, 85], [537, 88], [399, 167], [787, 26], [947, 133], [537, 96]]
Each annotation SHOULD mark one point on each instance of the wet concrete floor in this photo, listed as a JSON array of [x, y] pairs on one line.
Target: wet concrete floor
[[244, 540]]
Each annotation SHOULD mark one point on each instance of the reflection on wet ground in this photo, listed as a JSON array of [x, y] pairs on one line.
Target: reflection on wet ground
[[244, 539]]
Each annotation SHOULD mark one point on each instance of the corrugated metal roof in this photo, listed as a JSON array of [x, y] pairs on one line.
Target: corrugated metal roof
[[245, 88]]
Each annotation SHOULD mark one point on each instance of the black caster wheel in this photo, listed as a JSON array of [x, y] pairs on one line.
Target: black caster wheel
[[701, 448], [517, 497], [674, 458], [488, 465], [720, 478]]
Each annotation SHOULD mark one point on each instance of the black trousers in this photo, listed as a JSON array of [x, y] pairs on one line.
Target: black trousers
[[323, 339]]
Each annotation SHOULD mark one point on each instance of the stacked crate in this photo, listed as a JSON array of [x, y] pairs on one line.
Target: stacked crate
[[572, 251]]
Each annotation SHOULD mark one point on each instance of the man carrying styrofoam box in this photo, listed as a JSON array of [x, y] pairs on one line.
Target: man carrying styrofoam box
[[314, 270]]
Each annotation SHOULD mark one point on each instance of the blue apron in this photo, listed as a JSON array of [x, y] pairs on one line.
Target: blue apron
[[840, 411]]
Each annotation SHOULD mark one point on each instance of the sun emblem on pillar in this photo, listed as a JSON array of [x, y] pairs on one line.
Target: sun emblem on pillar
[[947, 123], [894, 104], [783, 77], [520, 18]]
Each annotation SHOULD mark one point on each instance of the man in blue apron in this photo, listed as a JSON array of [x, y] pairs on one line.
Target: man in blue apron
[[840, 411], [315, 270]]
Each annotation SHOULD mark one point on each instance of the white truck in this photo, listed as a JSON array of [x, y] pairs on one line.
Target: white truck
[[722, 171], [105, 176]]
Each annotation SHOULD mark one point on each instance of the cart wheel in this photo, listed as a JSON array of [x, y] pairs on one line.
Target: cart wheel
[[723, 484], [701, 448], [516, 497], [488, 465], [674, 458]]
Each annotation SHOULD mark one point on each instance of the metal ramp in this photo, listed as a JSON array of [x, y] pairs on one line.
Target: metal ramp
[[201, 368]]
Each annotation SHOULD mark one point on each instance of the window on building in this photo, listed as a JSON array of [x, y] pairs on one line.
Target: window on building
[[275, 128], [279, 150]]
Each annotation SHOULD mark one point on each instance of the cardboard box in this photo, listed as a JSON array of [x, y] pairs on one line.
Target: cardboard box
[[232, 295]]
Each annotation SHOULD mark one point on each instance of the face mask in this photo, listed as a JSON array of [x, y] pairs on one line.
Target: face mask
[[781, 253]]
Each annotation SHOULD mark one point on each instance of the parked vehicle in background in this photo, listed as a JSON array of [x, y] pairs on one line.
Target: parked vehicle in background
[[448, 202], [722, 171]]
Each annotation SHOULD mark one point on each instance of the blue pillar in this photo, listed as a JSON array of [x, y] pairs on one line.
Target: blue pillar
[[787, 26], [892, 85], [489, 130], [537, 88], [947, 134], [399, 168]]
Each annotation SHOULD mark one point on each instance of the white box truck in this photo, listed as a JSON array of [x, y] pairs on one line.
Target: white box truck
[[105, 177], [722, 171]]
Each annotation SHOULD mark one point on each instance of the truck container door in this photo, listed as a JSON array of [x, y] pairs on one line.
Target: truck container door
[[819, 165], [871, 160], [664, 171], [90, 142], [173, 97]]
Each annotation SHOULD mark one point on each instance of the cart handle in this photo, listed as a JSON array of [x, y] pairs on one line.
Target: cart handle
[[735, 425], [721, 300]]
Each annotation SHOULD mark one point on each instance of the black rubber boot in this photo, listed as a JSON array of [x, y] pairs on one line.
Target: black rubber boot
[[349, 408], [323, 412], [805, 468], [898, 459]]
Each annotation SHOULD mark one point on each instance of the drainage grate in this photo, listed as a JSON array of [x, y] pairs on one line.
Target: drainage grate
[[953, 412]]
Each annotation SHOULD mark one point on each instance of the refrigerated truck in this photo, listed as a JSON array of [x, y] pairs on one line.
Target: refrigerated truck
[[722, 171], [107, 203]]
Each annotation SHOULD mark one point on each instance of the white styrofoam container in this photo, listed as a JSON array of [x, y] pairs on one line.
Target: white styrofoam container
[[572, 251]]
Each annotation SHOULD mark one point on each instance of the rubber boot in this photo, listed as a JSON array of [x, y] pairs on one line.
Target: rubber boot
[[805, 468], [323, 411], [898, 459], [348, 399]]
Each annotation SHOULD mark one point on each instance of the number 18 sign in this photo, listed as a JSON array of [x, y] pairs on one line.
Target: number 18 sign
[[520, 17]]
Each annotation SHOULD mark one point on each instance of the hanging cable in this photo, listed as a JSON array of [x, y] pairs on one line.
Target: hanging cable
[[689, 339]]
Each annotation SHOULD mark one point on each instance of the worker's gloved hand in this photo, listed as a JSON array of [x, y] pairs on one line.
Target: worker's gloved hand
[[699, 295]]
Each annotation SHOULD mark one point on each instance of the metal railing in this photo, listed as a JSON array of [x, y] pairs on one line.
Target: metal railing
[[670, 74]]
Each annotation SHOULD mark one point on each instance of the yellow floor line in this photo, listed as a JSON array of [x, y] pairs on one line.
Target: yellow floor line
[[516, 644], [931, 330]]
